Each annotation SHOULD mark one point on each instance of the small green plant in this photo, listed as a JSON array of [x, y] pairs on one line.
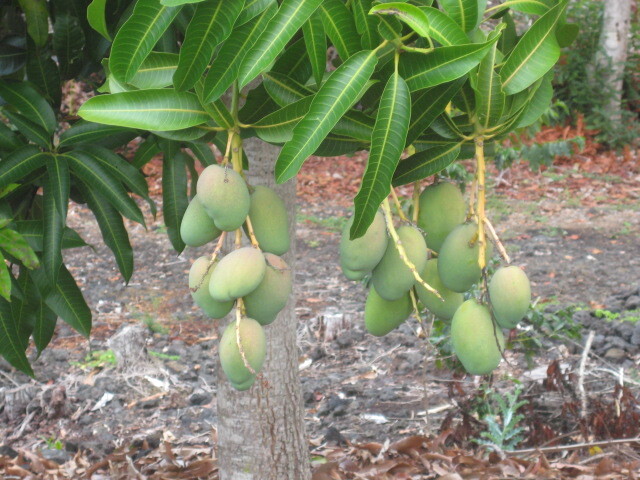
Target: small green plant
[[53, 443], [330, 223], [97, 359], [502, 419], [608, 315], [153, 325], [537, 154], [164, 356]]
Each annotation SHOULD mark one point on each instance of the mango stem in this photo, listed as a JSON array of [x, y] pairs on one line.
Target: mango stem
[[386, 210], [480, 177], [496, 240], [252, 234], [416, 201], [396, 202], [239, 310], [212, 260]]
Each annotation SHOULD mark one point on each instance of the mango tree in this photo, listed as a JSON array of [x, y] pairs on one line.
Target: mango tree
[[417, 84]]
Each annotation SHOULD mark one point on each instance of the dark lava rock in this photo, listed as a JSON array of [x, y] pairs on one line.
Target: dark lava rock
[[632, 303], [7, 451], [55, 455], [333, 435], [335, 405], [150, 403], [200, 397]]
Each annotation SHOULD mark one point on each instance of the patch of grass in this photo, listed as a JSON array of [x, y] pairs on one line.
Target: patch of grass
[[153, 325], [626, 229], [97, 359], [313, 244], [53, 443], [554, 232], [498, 209], [607, 315], [330, 223]]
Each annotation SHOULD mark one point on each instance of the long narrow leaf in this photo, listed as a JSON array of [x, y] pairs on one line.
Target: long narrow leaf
[[387, 142], [54, 220], [44, 327], [32, 131], [426, 163], [37, 17], [466, 13], [174, 195], [365, 24], [287, 21], [17, 246], [253, 8], [97, 18], [84, 132], [157, 109], [30, 103], [137, 37], [489, 98], [409, 14], [285, 90], [211, 25], [443, 28], [20, 163], [332, 101], [316, 42], [535, 54], [156, 71], [12, 340], [114, 233], [340, 27], [32, 231]]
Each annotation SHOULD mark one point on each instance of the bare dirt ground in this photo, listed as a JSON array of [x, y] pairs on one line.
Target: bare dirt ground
[[575, 233]]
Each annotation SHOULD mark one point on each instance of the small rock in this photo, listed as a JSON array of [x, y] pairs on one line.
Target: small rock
[[632, 303], [615, 354], [582, 316], [308, 397], [200, 397], [614, 304], [55, 455], [635, 337], [7, 451], [334, 436]]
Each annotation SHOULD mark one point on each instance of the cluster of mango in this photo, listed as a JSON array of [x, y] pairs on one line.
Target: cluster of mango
[[253, 278], [444, 232]]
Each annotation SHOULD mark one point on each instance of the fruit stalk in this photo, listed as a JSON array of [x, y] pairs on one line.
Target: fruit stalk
[[496, 240], [214, 255], [386, 210], [480, 178], [416, 202], [396, 202]]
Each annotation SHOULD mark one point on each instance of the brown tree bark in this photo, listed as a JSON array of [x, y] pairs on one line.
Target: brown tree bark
[[261, 434], [611, 57]]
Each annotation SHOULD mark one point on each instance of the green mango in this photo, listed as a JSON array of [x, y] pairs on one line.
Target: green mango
[[391, 277], [200, 277], [473, 336], [381, 316], [441, 209], [238, 274], [224, 195], [254, 346], [458, 260], [197, 227], [452, 300], [510, 296], [270, 221], [364, 253], [271, 296]]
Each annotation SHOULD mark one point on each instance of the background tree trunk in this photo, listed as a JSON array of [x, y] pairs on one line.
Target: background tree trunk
[[611, 55], [261, 433]]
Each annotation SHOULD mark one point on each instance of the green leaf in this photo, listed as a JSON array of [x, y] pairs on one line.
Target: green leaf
[[203, 152], [68, 44], [365, 24], [44, 327], [30, 130], [258, 105], [20, 163], [334, 98], [285, 90], [65, 299], [156, 71], [387, 143], [92, 173], [465, 12], [83, 132], [335, 145], [531, 7], [96, 17], [174, 195], [22, 304], [59, 182], [428, 104], [43, 72], [184, 135], [211, 24], [389, 28], [443, 28], [54, 218], [426, 163], [119, 168], [30, 103], [32, 231], [226, 65], [535, 54], [538, 104], [8, 139], [220, 114], [355, 124], [37, 17], [12, 59], [176, 3], [146, 151], [5, 279], [442, 65], [316, 43], [137, 37], [409, 14], [278, 126], [567, 34], [287, 21], [253, 8], [12, 340], [294, 62], [340, 27], [156, 109], [489, 96], [114, 233]]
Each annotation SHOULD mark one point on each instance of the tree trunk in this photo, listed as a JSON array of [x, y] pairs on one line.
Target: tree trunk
[[611, 56], [261, 434]]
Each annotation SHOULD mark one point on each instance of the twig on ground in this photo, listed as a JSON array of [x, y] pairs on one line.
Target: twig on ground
[[583, 362]]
